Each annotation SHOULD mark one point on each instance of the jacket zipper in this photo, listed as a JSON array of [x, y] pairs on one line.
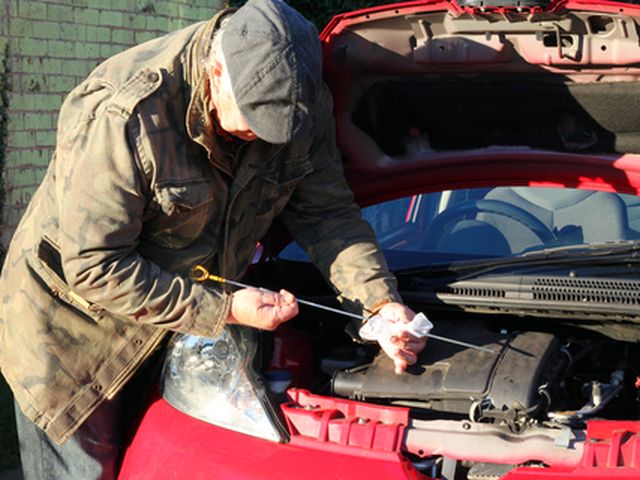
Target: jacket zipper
[[232, 200], [60, 289]]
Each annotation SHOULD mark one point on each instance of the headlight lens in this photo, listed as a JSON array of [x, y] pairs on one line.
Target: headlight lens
[[211, 379]]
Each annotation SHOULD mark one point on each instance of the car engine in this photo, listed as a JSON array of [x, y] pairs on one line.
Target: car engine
[[513, 385]]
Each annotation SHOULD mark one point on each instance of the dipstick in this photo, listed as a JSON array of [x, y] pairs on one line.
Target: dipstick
[[201, 274]]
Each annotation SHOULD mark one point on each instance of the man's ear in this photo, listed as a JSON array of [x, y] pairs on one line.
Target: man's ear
[[216, 68], [214, 71], [214, 80]]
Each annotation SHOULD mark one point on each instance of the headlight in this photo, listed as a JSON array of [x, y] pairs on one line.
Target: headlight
[[211, 379]]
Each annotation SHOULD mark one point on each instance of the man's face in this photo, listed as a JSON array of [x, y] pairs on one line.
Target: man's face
[[224, 103]]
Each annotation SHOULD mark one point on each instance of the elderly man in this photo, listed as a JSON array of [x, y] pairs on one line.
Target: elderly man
[[177, 152]]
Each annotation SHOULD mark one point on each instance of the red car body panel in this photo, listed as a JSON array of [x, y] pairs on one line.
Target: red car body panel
[[169, 444], [338, 439], [499, 167]]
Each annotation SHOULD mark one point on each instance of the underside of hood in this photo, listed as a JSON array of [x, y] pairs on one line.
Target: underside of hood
[[438, 82]]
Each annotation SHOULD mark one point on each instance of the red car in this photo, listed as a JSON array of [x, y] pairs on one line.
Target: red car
[[494, 148]]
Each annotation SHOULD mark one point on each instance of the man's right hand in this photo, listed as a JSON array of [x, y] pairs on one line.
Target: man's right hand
[[262, 309]]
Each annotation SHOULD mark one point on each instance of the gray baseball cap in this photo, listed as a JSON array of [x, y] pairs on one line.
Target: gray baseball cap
[[274, 60]]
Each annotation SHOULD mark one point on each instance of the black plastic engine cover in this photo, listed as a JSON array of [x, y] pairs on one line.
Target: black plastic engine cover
[[450, 378]]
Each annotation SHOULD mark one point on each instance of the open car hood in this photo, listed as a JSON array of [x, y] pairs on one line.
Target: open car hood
[[539, 95]]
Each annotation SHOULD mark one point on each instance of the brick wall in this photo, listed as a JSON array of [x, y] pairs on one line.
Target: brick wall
[[48, 48]]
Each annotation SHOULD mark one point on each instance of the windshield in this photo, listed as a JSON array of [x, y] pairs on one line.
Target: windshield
[[467, 224]]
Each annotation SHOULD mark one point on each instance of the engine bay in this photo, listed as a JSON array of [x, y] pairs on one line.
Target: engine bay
[[533, 397], [535, 376]]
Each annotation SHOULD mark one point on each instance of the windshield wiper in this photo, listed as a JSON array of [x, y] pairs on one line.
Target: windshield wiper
[[568, 255], [604, 248]]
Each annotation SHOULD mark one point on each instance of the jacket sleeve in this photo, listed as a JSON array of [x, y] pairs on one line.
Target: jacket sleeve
[[102, 193], [324, 219]]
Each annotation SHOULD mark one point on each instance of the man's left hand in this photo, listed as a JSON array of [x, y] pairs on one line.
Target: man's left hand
[[401, 346]]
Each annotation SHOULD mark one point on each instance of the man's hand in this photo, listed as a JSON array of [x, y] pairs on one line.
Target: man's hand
[[401, 346], [261, 309]]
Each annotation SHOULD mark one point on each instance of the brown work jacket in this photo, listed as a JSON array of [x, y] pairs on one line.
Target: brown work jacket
[[139, 190]]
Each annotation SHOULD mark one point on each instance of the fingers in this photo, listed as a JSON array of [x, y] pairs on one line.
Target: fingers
[[401, 354], [279, 299], [276, 308], [262, 309], [287, 298], [285, 306], [401, 358], [401, 346], [400, 365], [397, 313], [406, 354], [409, 342], [282, 304]]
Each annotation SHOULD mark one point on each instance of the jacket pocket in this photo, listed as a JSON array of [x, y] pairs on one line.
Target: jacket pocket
[[179, 213], [176, 199], [48, 267], [286, 172]]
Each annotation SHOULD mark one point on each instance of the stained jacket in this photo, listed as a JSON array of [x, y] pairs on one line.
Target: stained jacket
[[140, 189]]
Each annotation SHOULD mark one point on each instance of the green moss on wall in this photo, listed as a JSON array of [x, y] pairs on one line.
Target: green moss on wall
[[4, 121], [9, 454]]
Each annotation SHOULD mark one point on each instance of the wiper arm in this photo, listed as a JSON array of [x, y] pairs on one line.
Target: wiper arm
[[569, 254], [603, 248]]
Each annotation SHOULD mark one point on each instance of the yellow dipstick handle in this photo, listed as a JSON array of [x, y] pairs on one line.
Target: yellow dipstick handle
[[201, 274]]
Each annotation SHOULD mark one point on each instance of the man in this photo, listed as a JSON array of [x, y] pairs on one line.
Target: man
[[177, 152]]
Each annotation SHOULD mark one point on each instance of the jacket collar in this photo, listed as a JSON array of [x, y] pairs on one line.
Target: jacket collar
[[200, 123]]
